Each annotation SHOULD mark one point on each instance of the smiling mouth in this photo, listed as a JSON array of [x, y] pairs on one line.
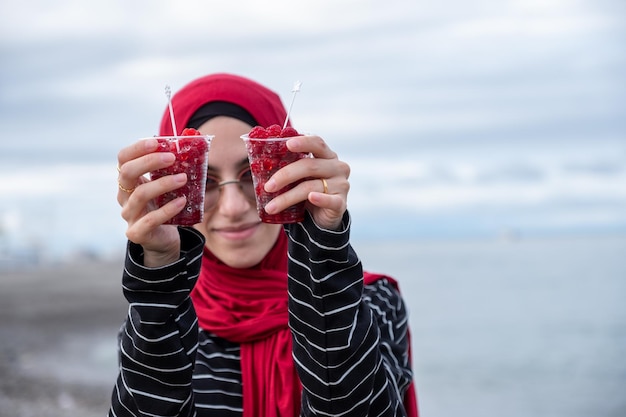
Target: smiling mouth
[[236, 229], [238, 232]]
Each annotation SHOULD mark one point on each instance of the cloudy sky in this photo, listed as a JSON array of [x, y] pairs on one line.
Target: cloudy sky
[[457, 116]]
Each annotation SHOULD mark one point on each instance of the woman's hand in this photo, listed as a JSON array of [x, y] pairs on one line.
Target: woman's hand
[[161, 243], [325, 186]]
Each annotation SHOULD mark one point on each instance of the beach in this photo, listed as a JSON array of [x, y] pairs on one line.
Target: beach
[[57, 338]]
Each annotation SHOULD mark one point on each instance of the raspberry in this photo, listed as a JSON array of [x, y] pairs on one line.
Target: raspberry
[[192, 160], [274, 131], [190, 131], [289, 132], [258, 132]]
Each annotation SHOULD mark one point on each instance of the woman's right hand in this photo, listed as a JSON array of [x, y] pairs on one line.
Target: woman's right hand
[[161, 243]]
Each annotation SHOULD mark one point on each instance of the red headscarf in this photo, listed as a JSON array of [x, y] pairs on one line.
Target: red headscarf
[[262, 103], [249, 306]]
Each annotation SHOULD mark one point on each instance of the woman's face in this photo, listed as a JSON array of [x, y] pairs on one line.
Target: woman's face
[[232, 227]]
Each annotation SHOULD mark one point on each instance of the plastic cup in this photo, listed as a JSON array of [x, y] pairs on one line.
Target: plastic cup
[[192, 158], [266, 156]]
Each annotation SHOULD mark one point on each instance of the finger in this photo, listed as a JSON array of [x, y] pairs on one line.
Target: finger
[[329, 186], [311, 144], [132, 173], [313, 190], [335, 203], [141, 230], [135, 168], [139, 202], [137, 149], [308, 168]]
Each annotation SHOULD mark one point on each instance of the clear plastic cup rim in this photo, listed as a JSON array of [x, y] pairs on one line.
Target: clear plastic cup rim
[[276, 139], [207, 137]]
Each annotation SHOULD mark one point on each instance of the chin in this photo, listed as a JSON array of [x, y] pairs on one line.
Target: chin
[[241, 259], [243, 253]]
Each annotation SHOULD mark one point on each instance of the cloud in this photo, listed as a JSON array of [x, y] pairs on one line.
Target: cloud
[[479, 111], [423, 184]]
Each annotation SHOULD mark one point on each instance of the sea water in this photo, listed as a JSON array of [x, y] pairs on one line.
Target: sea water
[[523, 327]]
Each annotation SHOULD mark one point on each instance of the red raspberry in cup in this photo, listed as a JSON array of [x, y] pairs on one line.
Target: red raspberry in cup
[[258, 132], [267, 153], [289, 132], [273, 131], [190, 131], [191, 152]]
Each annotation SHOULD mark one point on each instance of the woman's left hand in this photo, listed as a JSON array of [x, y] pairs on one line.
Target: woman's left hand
[[325, 185]]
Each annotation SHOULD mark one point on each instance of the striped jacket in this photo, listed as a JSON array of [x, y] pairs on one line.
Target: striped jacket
[[171, 367]]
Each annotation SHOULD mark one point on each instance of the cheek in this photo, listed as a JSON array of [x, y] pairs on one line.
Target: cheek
[[267, 237], [204, 226]]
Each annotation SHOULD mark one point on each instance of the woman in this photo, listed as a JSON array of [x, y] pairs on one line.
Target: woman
[[237, 317]]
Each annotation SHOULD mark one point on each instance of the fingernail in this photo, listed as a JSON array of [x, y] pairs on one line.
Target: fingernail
[[270, 185], [293, 143], [150, 144], [167, 157], [181, 201], [179, 178], [269, 207]]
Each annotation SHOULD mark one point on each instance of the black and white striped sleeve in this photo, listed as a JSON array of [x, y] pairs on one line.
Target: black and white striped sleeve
[[350, 342], [159, 338]]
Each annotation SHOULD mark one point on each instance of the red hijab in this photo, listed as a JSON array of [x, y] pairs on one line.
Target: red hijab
[[262, 103], [249, 306]]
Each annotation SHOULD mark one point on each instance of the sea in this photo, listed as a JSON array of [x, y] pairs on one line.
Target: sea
[[513, 327]]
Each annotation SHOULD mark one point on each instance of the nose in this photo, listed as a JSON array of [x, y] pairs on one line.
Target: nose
[[232, 202]]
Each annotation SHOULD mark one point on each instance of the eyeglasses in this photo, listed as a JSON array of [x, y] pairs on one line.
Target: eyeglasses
[[214, 185]]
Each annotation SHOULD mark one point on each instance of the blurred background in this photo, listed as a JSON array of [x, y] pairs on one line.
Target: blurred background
[[487, 141]]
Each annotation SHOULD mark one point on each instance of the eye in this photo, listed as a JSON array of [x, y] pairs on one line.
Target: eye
[[212, 183], [245, 176]]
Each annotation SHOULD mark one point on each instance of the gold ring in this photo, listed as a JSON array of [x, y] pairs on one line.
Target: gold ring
[[325, 185], [126, 190], [118, 168]]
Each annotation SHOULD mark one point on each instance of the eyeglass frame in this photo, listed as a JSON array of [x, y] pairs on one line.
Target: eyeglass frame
[[219, 185]]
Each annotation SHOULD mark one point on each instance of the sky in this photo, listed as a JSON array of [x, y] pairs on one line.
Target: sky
[[458, 118]]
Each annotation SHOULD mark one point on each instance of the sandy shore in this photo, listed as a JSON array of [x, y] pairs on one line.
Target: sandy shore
[[58, 329]]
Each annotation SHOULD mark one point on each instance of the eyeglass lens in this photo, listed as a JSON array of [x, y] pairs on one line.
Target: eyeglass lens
[[213, 186]]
